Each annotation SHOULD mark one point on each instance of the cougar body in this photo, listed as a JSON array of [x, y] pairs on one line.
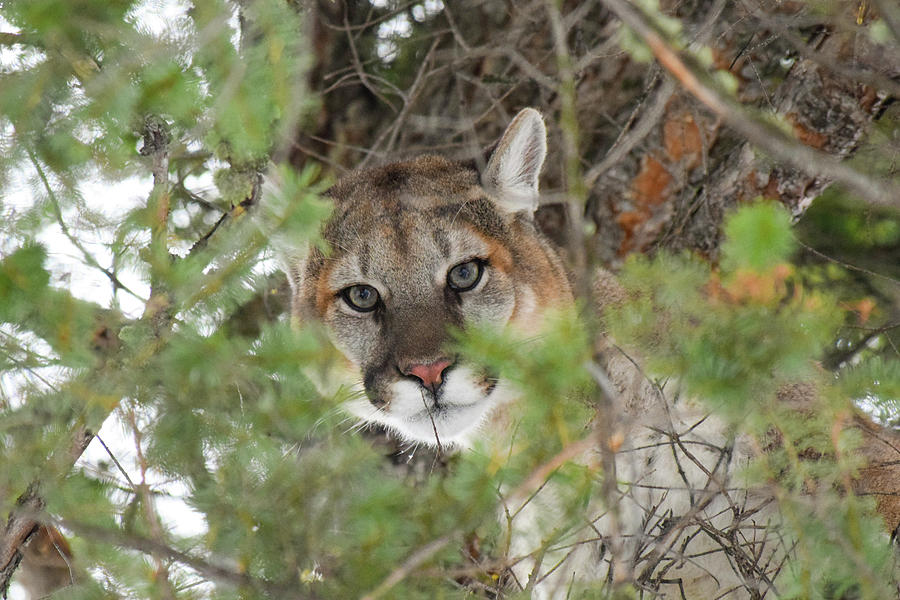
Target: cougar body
[[418, 248]]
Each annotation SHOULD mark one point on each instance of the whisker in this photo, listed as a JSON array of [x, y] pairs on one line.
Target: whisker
[[412, 453], [437, 438]]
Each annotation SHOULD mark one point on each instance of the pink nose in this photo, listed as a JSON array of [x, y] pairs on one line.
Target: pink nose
[[431, 375]]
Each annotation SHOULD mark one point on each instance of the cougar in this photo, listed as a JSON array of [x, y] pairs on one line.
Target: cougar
[[419, 247], [415, 249]]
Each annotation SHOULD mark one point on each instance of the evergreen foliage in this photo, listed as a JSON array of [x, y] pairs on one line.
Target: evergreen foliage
[[292, 501], [735, 337]]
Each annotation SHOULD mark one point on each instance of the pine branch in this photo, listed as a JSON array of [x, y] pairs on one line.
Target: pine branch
[[232, 213], [202, 566]]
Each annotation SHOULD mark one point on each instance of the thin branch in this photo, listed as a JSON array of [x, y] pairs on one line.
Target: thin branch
[[415, 560], [233, 212], [196, 198], [117, 463], [357, 65], [543, 471], [457, 35], [202, 566], [57, 213], [835, 361], [567, 92], [369, 23], [847, 265], [8, 39], [154, 526], [853, 73], [647, 118], [410, 99]]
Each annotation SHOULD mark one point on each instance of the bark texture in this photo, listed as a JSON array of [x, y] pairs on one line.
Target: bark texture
[[662, 171]]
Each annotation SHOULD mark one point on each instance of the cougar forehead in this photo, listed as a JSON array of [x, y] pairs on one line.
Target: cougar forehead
[[401, 226], [399, 231]]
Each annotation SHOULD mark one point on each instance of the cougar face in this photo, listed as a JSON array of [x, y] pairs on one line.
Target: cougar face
[[418, 248]]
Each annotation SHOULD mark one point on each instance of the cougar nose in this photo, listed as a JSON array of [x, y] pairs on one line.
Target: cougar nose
[[431, 375]]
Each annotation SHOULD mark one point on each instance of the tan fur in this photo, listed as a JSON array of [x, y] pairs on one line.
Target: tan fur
[[880, 477]]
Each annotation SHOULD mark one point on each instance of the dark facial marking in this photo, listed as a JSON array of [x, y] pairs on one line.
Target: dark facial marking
[[364, 253], [371, 384], [391, 177], [442, 241]]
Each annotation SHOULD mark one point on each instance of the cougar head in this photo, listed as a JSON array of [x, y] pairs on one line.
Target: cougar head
[[416, 248]]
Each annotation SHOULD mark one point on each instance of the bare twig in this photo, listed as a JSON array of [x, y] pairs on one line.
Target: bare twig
[[648, 114], [60, 220], [804, 49], [360, 70], [577, 191], [647, 118], [422, 74], [117, 463], [543, 471], [415, 560], [847, 265], [154, 526], [233, 212]]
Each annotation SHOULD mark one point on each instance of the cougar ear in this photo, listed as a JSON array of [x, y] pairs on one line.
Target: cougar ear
[[512, 171]]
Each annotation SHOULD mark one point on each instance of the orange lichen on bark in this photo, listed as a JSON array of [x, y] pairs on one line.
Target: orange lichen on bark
[[681, 150], [648, 189], [808, 136], [770, 192], [682, 140], [629, 222]]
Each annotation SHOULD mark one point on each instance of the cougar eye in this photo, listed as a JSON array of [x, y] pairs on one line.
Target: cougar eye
[[465, 276], [362, 298]]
